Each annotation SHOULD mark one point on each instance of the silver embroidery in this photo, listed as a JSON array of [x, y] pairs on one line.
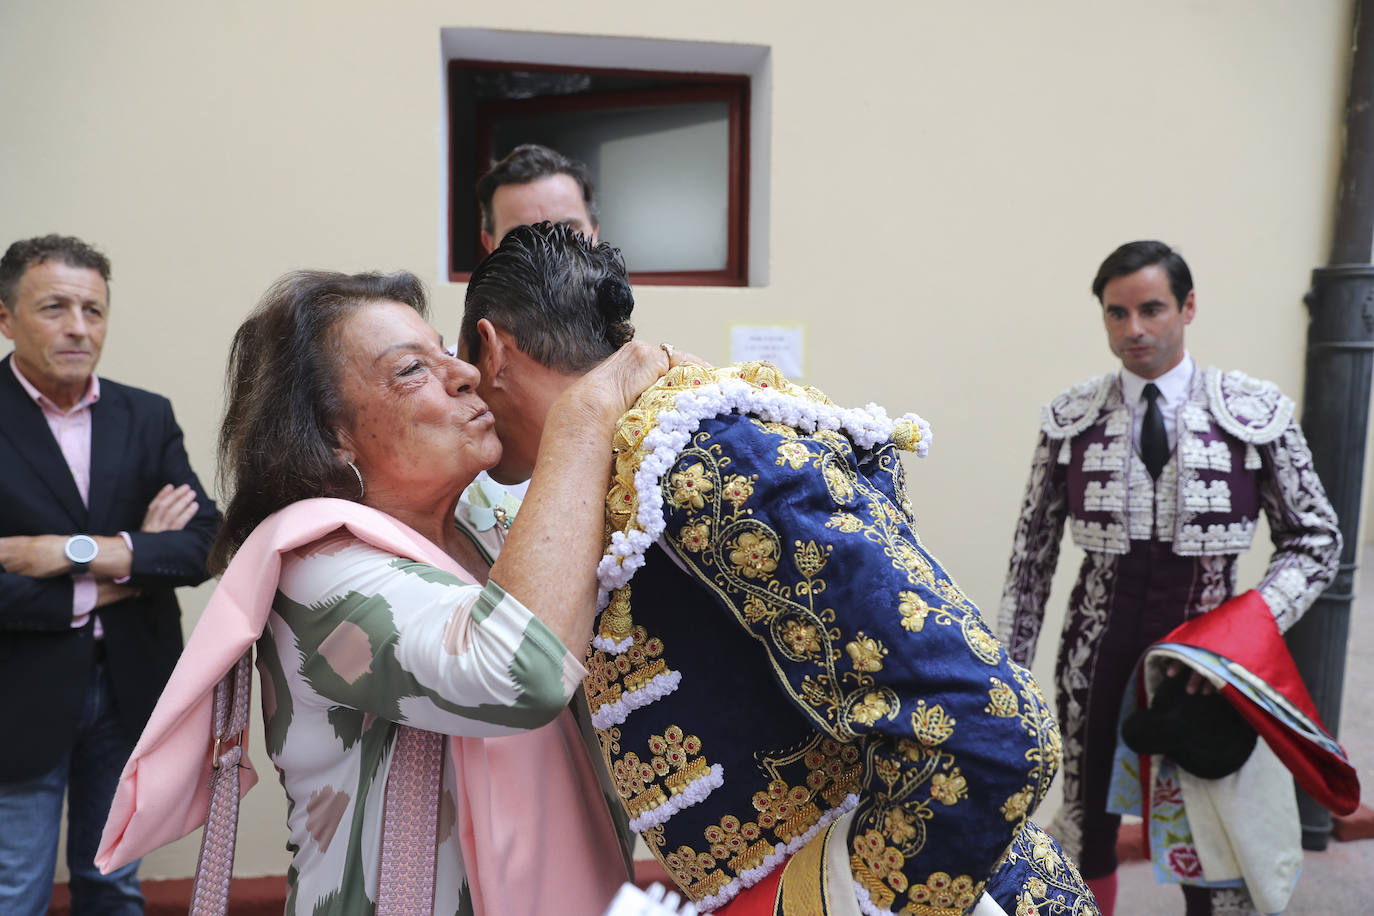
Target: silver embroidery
[[1233, 538], [1206, 496], [1218, 581], [1076, 409], [1248, 408], [1105, 456], [1076, 663], [1150, 508], [1284, 592], [1035, 550], [1190, 447], [1205, 456], [1195, 419], [1109, 538], [1140, 512], [1166, 501], [1104, 496], [1302, 525]]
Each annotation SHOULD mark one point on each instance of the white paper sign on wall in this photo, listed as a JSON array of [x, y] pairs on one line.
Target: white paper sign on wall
[[780, 344]]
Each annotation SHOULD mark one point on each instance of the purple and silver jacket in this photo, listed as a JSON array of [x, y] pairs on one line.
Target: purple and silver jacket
[[1238, 451]]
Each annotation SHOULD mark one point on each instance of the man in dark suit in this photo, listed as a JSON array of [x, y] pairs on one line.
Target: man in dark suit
[[101, 518]]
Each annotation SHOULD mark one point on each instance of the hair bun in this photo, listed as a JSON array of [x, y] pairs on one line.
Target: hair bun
[[614, 298]]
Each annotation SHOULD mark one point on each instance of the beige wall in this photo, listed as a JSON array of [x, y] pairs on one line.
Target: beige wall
[[945, 179]]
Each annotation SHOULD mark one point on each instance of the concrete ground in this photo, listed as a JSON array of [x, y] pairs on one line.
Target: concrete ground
[[1338, 881]]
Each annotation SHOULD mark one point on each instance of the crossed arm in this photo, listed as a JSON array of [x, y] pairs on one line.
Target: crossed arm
[[43, 556]]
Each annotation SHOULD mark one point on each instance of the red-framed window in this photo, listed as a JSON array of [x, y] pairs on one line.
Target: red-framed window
[[668, 151]]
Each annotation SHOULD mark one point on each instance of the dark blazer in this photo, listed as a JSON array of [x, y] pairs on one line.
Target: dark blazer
[[136, 447]]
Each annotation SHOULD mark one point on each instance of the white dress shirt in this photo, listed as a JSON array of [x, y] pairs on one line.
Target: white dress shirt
[[1173, 385]]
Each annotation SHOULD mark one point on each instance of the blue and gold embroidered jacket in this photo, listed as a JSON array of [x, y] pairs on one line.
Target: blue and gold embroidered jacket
[[790, 652]]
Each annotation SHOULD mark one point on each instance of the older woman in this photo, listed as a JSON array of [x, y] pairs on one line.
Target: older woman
[[340, 389]]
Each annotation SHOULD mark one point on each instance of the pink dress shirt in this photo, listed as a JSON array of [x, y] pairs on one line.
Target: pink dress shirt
[[72, 430]]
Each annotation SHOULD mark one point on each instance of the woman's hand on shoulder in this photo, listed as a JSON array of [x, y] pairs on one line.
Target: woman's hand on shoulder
[[613, 385]]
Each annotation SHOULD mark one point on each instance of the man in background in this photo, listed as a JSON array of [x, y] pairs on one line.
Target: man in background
[[530, 185], [101, 518], [1161, 470]]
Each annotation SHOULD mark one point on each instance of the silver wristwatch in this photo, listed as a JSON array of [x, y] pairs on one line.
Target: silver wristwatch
[[81, 549]]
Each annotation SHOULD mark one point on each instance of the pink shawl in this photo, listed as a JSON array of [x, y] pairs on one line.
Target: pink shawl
[[535, 833]]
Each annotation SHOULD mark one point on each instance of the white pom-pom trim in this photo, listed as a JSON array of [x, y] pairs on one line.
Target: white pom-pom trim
[[612, 646], [866, 902], [693, 793], [609, 714], [923, 428], [751, 876], [867, 427]]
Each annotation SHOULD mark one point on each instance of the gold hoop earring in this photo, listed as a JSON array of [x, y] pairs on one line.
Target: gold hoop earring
[[362, 489]]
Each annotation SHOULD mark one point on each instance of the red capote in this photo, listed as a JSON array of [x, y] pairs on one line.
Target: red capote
[[1242, 630]]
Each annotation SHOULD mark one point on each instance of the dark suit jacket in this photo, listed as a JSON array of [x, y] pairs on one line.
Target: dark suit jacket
[[45, 665]]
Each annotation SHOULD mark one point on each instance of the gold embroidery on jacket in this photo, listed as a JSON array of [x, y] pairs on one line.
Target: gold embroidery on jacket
[[634, 780], [738, 489], [696, 873], [878, 868], [690, 487], [735, 554], [846, 522], [754, 554], [832, 769], [865, 653], [981, 643], [763, 374], [674, 758], [738, 556], [696, 537], [942, 895], [805, 886], [1038, 722], [1017, 806], [794, 454], [1001, 700], [782, 811], [1050, 874], [740, 843], [786, 810], [610, 677], [949, 789], [931, 725], [891, 825]]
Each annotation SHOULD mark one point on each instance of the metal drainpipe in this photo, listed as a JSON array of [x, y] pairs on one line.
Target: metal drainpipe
[[1335, 404]]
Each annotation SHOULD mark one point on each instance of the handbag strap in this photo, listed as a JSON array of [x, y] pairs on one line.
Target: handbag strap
[[410, 821], [215, 866], [410, 824]]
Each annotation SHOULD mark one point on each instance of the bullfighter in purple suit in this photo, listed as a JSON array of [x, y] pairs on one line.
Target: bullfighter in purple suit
[[1161, 470]]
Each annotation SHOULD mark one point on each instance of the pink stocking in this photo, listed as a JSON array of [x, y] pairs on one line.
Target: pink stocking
[[1104, 889]]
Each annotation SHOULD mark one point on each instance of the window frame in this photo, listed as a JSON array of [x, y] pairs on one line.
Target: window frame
[[732, 89]]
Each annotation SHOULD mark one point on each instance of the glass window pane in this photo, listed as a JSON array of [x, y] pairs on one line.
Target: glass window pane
[[662, 176]]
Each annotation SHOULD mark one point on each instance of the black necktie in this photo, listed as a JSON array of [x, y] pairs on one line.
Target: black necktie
[[1154, 443]]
